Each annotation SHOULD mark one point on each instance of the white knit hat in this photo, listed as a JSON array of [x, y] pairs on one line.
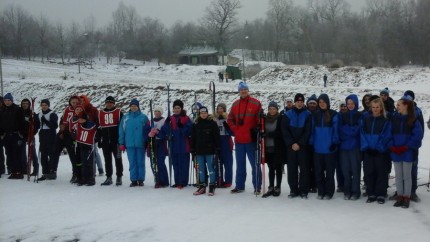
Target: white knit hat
[[158, 108]]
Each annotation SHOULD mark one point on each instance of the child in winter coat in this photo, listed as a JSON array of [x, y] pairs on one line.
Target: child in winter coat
[[179, 127], [407, 135], [205, 140], [159, 146], [226, 154], [325, 140], [133, 134], [350, 155], [375, 135]]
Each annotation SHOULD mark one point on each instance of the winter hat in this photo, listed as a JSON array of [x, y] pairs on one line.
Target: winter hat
[[289, 100], [178, 103], [8, 96], [325, 98], [410, 93], [25, 100], [110, 99], [385, 91], [223, 106], [299, 97], [373, 97], [242, 85], [312, 99], [159, 109], [134, 102], [45, 101], [203, 109], [273, 104], [407, 98]]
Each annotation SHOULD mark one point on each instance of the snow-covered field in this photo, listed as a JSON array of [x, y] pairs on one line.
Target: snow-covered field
[[59, 211]]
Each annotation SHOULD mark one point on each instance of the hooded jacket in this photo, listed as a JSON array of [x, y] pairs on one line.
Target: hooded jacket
[[349, 126], [405, 135], [205, 137], [134, 129]]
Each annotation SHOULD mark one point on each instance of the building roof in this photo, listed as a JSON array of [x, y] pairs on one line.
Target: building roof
[[198, 50]]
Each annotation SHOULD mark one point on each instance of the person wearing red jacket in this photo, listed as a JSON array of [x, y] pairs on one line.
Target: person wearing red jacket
[[243, 122]]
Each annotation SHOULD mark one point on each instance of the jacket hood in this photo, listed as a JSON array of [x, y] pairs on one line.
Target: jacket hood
[[354, 98], [325, 98]]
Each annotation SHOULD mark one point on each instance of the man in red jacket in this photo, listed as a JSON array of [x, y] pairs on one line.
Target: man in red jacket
[[243, 121]]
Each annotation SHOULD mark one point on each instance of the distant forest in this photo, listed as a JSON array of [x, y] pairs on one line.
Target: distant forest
[[383, 33]]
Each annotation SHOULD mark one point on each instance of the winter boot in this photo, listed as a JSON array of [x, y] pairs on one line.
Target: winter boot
[[51, 176], [107, 182], [42, 178], [201, 190], [406, 201], [133, 184], [118, 181], [277, 192], [74, 179], [91, 182], [211, 190], [140, 183], [236, 190], [269, 192], [415, 198], [399, 201]]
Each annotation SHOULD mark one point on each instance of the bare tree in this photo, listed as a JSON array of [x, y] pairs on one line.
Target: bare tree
[[16, 19], [279, 14], [220, 19], [43, 28], [60, 40]]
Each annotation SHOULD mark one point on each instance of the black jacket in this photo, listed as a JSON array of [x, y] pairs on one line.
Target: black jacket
[[12, 120], [109, 135], [205, 137]]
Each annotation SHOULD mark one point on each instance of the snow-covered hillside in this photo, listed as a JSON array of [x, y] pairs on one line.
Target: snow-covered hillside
[[59, 211]]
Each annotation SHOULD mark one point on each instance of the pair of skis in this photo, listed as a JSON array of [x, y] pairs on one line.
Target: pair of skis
[[30, 142], [260, 152], [152, 148], [216, 159]]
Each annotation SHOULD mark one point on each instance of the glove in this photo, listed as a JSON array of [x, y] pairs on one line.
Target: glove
[[402, 149], [167, 121], [372, 152], [153, 132], [180, 125], [44, 119], [333, 147], [122, 148], [394, 149]]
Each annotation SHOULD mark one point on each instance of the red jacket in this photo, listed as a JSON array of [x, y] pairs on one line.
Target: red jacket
[[245, 109]]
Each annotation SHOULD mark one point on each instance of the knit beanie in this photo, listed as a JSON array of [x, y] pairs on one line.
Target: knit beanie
[[134, 102], [223, 106], [178, 103], [46, 101], [410, 93], [385, 91], [110, 99], [242, 85], [299, 97], [273, 104], [8, 96], [159, 109]]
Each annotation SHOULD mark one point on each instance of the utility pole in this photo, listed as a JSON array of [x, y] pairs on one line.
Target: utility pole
[[1, 73], [243, 59]]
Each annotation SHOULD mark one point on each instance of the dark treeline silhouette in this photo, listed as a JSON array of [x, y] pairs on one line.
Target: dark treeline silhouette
[[383, 33]]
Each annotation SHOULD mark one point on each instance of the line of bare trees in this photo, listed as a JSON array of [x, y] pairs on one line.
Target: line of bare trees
[[384, 32]]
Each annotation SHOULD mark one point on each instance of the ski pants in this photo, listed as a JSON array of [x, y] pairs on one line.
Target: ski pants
[[325, 165], [181, 166], [226, 160], [415, 172], [136, 159], [340, 180], [403, 178], [350, 161], [13, 146], [298, 171], [375, 173], [243, 151], [109, 150], [275, 170], [69, 144], [2, 159], [46, 156], [163, 177], [206, 164], [87, 157]]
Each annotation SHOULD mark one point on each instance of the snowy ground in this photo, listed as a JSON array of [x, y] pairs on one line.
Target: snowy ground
[[59, 211]]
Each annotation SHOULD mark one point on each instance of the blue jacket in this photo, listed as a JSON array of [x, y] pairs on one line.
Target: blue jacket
[[134, 129], [405, 135], [375, 133], [349, 126], [296, 127], [180, 136]]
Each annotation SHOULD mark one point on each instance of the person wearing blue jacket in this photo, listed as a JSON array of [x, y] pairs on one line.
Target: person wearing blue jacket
[[325, 140], [296, 129], [407, 137], [350, 155], [133, 134], [375, 135], [179, 126]]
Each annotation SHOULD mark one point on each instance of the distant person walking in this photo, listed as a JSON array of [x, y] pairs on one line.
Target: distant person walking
[[221, 77], [325, 80]]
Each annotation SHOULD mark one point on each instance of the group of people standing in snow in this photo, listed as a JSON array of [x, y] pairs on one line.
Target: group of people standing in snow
[[316, 143]]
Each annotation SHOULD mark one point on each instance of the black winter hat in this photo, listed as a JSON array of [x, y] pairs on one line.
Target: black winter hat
[[312, 98], [299, 97], [203, 109], [178, 103], [110, 99], [45, 101], [373, 97], [410, 93]]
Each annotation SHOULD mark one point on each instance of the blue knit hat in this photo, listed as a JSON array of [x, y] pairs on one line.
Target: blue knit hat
[[134, 102], [410, 93], [242, 85], [273, 104], [8, 96]]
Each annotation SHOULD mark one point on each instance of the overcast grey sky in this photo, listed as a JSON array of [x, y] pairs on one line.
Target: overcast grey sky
[[167, 11]]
